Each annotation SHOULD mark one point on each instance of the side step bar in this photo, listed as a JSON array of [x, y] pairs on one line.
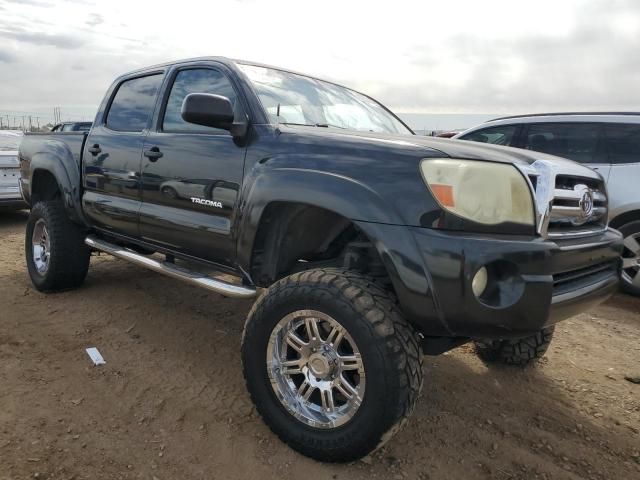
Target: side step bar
[[194, 278]]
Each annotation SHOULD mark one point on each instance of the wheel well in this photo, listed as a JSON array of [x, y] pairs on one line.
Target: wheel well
[[44, 186], [624, 218], [292, 237]]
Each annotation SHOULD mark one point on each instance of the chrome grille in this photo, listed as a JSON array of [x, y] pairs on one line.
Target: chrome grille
[[570, 199], [579, 206]]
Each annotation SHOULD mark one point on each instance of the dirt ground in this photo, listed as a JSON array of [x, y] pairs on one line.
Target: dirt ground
[[171, 403]]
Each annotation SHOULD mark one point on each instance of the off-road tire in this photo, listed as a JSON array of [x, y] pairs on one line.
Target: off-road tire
[[515, 351], [387, 343], [631, 228], [69, 256]]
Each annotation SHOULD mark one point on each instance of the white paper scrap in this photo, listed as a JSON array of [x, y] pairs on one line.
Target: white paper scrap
[[95, 356]]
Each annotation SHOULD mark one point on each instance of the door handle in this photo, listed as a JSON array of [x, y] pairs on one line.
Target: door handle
[[95, 149], [153, 154]]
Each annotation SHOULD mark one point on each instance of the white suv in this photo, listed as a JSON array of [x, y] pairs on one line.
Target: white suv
[[606, 142]]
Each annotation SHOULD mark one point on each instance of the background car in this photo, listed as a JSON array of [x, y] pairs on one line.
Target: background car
[[10, 196], [606, 142], [72, 127]]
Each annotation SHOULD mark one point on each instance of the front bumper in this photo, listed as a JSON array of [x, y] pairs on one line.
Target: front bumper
[[536, 282]]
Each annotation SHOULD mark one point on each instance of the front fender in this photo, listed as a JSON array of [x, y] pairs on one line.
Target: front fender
[[352, 200], [336, 193]]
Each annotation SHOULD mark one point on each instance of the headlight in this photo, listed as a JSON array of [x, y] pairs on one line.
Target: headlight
[[484, 192]]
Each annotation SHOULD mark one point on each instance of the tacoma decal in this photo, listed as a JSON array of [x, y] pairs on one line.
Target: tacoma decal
[[209, 203]]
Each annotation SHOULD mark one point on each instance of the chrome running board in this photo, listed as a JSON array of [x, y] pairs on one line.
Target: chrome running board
[[172, 270]]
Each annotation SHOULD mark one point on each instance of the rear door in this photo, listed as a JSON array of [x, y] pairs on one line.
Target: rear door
[[582, 142], [112, 155], [191, 174]]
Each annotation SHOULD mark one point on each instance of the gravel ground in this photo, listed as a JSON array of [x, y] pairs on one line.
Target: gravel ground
[[171, 404]]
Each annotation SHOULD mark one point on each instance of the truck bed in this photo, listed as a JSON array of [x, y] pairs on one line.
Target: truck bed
[[35, 143], [64, 148]]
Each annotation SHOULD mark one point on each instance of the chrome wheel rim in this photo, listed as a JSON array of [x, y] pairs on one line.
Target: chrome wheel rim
[[41, 247], [631, 260], [315, 369]]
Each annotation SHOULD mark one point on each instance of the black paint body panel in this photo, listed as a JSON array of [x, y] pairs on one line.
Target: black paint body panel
[[371, 179]]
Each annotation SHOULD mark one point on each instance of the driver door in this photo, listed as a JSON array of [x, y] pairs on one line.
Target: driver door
[[191, 174]]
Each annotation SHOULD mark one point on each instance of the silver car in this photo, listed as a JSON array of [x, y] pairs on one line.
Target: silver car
[[10, 196], [606, 142]]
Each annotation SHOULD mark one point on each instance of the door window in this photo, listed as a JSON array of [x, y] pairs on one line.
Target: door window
[[576, 141], [500, 135], [197, 80], [133, 103], [623, 142]]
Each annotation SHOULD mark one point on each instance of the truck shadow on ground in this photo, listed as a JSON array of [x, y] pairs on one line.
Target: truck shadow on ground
[[12, 218], [494, 421]]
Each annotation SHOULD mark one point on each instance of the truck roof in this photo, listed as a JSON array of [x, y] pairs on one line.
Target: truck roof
[[227, 61]]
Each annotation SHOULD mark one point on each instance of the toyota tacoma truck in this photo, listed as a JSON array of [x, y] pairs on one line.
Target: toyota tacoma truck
[[366, 246]]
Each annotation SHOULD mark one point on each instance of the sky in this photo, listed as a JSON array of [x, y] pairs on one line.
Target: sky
[[438, 64]]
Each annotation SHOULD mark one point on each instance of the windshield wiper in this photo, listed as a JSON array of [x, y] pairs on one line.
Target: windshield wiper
[[323, 125], [327, 125]]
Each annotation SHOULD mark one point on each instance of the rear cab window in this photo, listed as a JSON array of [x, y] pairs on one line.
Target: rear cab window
[[133, 103]]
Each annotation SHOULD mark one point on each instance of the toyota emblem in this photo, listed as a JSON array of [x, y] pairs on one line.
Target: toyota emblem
[[586, 202]]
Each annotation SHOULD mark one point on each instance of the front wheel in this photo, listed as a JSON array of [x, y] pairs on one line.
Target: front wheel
[[330, 363], [516, 351], [57, 258]]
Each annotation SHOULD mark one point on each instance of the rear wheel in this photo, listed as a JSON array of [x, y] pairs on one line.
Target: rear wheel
[[515, 351], [631, 257], [57, 258], [330, 363]]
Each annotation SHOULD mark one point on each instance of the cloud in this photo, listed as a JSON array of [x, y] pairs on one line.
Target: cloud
[[495, 57], [590, 66], [6, 57], [33, 3], [63, 41], [94, 19]]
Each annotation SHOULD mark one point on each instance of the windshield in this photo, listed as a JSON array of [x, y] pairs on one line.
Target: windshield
[[295, 99], [9, 142]]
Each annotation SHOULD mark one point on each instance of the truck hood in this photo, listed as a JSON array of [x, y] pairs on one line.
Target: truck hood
[[432, 146]]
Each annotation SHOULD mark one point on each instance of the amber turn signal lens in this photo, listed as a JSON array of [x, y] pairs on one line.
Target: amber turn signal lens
[[444, 195]]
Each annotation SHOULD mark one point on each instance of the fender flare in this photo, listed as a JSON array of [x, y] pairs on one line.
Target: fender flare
[[59, 161], [316, 188]]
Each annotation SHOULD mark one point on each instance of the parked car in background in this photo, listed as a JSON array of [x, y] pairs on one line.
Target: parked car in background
[[10, 196], [607, 142], [72, 127], [448, 134]]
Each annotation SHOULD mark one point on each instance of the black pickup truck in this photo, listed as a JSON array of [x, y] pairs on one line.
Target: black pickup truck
[[365, 245]]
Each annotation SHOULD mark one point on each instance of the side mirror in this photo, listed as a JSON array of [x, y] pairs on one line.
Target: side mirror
[[208, 110]]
